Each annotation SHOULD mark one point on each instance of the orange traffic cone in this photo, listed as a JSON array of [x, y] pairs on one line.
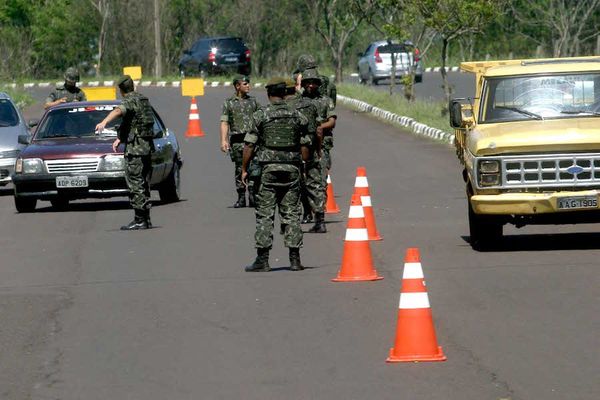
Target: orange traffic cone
[[415, 334], [331, 206], [194, 126], [361, 187], [357, 262]]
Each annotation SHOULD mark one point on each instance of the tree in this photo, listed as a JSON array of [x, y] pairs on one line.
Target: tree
[[451, 19], [103, 8]]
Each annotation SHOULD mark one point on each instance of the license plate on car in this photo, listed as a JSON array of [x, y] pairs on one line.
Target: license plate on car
[[571, 203], [230, 59], [71, 181]]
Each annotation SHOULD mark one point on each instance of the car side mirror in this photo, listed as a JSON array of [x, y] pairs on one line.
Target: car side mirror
[[158, 134], [461, 115], [33, 122], [23, 139]]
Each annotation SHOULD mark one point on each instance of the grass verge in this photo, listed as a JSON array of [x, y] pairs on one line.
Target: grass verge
[[425, 112]]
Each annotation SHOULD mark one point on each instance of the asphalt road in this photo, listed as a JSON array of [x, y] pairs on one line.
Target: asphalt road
[[89, 312]]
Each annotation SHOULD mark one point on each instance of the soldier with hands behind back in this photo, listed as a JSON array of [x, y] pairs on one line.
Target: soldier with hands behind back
[[236, 120], [281, 134], [66, 92], [136, 131]]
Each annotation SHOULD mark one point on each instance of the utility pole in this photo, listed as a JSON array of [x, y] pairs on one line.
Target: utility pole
[[157, 41]]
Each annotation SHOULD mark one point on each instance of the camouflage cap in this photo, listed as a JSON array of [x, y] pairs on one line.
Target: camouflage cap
[[72, 75], [276, 81], [306, 61], [311, 74], [240, 78], [123, 79]]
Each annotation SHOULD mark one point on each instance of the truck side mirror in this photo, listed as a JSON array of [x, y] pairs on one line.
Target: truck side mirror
[[457, 118]]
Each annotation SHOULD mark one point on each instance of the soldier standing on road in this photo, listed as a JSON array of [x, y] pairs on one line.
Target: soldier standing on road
[[282, 137], [66, 92], [236, 121], [327, 88], [137, 134]]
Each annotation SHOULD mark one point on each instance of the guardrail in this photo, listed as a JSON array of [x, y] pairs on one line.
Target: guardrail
[[405, 122]]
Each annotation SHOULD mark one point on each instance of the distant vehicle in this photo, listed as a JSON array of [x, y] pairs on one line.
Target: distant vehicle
[[66, 160], [216, 55], [12, 125], [375, 64]]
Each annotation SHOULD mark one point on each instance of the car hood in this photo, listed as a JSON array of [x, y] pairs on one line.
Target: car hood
[[551, 135], [68, 148], [8, 137]]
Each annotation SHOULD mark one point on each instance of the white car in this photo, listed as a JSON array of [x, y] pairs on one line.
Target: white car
[[12, 125], [375, 63]]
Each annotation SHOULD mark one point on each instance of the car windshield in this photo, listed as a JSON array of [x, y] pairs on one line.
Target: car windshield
[[541, 97], [8, 114], [76, 122]]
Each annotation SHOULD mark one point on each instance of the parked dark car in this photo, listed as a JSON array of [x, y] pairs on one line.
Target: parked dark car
[[216, 55], [66, 160], [12, 125]]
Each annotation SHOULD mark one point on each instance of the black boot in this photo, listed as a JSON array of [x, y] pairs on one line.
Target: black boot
[[251, 198], [147, 217], [319, 226], [282, 229], [261, 264], [139, 222], [295, 264], [241, 201], [307, 218]]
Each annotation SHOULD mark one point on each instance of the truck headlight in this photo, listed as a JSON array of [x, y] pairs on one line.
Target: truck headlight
[[29, 166], [489, 166], [489, 179], [114, 163]]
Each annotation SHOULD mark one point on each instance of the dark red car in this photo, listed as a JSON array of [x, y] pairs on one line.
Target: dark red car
[[66, 159]]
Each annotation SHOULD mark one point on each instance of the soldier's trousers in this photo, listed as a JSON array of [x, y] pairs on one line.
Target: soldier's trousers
[[235, 152], [280, 187], [138, 171], [314, 185]]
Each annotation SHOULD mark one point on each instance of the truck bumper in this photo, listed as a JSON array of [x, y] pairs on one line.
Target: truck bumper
[[528, 203]]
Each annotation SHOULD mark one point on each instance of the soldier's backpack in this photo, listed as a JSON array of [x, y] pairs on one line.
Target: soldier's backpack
[[279, 129]]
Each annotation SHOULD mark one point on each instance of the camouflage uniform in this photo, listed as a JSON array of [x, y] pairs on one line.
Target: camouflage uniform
[[279, 131], [237, 112], [136, 132], [71, 93]]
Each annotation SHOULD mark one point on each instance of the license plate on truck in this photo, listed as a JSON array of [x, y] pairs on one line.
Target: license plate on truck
[[572, 203], [71, 181]]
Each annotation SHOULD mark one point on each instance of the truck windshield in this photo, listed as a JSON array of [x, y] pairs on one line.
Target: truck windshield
[[541, 97]]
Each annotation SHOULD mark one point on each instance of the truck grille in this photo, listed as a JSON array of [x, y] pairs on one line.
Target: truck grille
[[76, 165], [551, 170]]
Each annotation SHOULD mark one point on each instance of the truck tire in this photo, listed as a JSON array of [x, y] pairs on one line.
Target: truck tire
[[485, 231]]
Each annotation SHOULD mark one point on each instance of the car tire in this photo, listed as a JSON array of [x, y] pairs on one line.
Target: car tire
[[60, 203], [418, 78], [170, 190], [25, 204], [485, 230]]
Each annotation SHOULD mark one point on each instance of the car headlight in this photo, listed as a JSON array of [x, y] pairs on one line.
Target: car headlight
[[29, 166], [114, 163]]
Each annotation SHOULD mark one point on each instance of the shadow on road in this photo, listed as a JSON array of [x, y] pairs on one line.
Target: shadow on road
[[546, 242], [6, 191], [96, 206]]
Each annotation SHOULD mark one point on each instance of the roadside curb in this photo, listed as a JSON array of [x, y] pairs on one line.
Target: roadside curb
[[405, 122], [429, 69], [144, 83]]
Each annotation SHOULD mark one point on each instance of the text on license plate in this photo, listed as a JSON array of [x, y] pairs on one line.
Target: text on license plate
[[569, 203], [71, 181], [230, 59]]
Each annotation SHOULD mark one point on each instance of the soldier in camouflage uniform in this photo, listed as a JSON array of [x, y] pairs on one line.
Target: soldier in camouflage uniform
[[282, 137], [327, 88], [236, 120], [314, 108], [136, 131], [66, 92]]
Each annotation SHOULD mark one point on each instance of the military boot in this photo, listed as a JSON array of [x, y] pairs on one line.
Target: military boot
[[307, 218], [251, 198], [139, 222], [319, 226], [282, 229], [295, 264], [261, 264], [241, 201], [147, 217]]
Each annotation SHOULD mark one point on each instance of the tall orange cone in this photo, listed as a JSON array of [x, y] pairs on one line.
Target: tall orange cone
[[415, 334], [331, 206], [361, 187], [194, 126], [357, 262]]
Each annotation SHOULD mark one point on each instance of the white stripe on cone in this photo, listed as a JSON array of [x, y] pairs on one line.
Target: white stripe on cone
[[193, 106], [194, 116], [356, 212], [412, 271], [328, 179], [410, 301], [356, 235], [366, 201], [361, 181]]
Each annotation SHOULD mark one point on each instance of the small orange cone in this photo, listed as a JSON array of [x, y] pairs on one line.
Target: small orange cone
[[194, 126], [331, 206], [361, 187], [415, 334], [357, 262]]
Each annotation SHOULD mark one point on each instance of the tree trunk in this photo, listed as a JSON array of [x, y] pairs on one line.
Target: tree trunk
[[393, 75], [445, 84], [157, 42]]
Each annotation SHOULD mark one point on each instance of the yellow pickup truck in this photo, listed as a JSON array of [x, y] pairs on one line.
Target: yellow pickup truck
[[529, 144]]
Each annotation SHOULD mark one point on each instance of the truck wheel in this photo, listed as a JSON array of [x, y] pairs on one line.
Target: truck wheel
[[170, 189], [25, 204], [485, 230]]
